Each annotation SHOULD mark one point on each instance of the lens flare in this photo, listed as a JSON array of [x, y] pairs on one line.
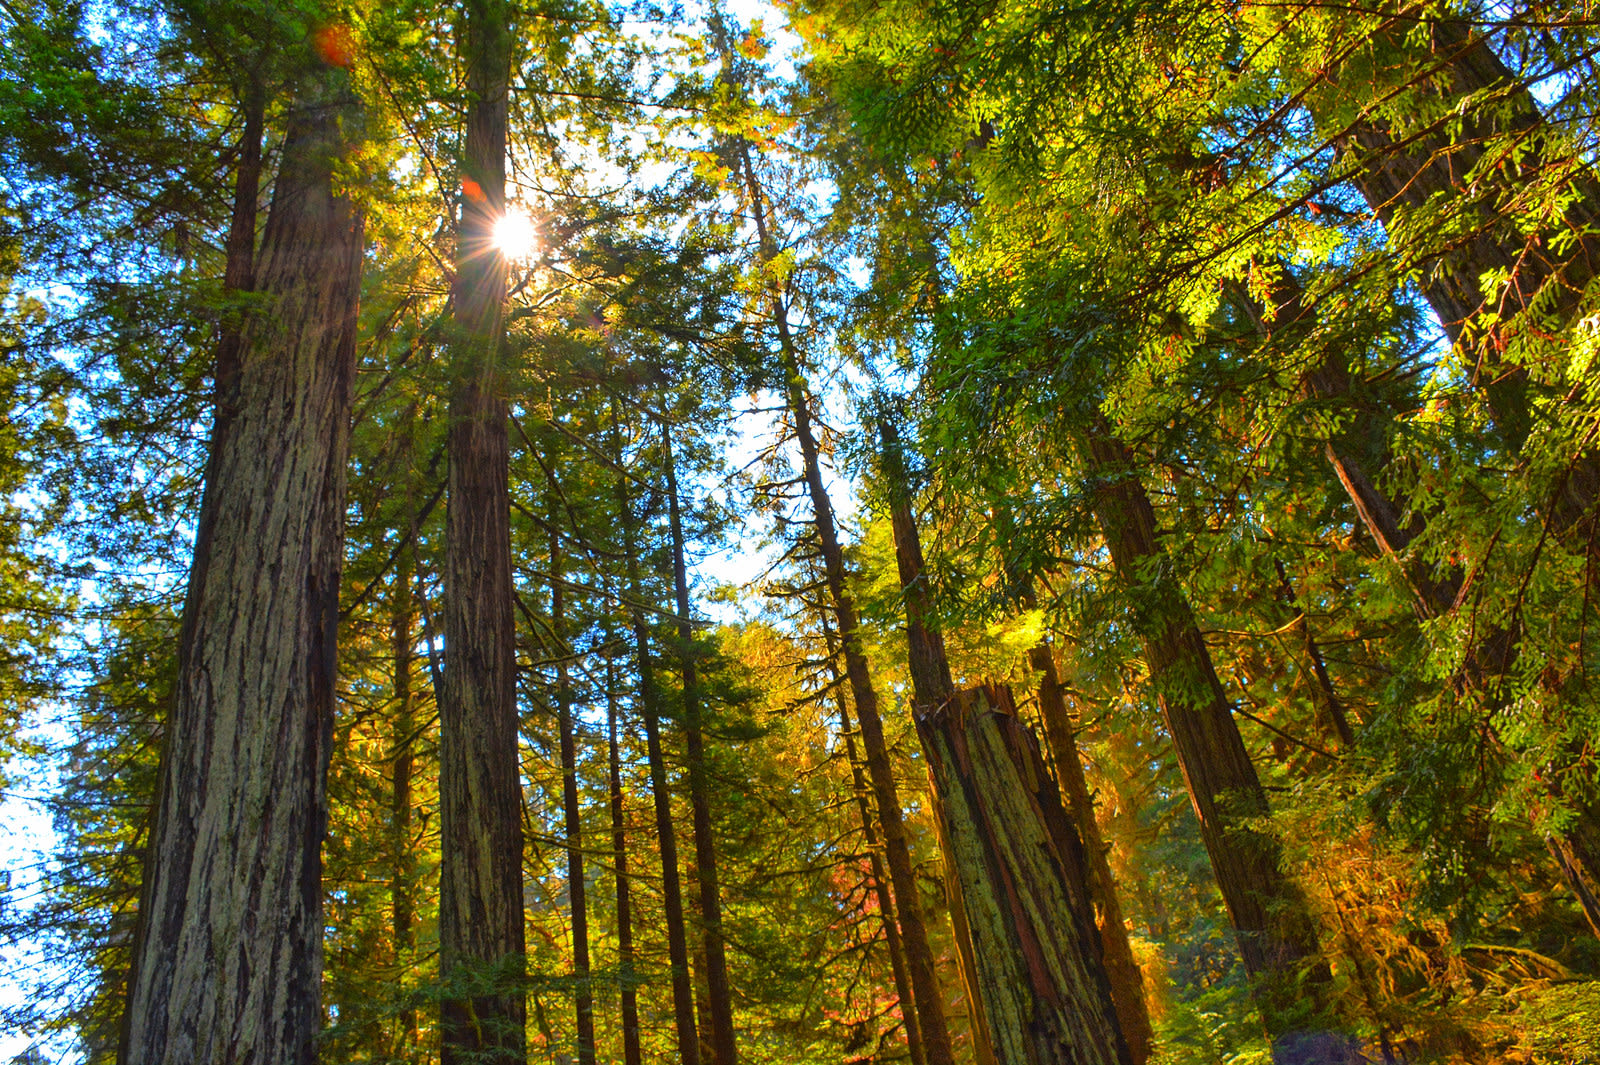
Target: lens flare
[[515, 236]]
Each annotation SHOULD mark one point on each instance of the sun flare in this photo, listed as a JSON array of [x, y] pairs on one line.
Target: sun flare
[[515, 236]]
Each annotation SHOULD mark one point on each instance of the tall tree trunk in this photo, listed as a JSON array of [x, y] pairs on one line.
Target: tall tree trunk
[[228, 962], [869, 833], [576, 888], [1127, 985], [1274, 930], [1400, 168], [931, 688], [913, 929], [402, 641], [666, 834], [627, 979], [481, 945], [705, 851], [1024, 876]]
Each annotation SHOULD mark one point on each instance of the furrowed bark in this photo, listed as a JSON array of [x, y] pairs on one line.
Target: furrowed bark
[[931, 688], [1026, 885], [718, 994], [481, 945], [1122, 971], [666, 834], [1274, 931], [229, 960], [572, 814]]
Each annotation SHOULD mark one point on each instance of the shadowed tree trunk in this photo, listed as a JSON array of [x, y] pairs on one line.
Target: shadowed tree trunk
[[481, 947], [666, 833], [402, 637], [228, 960], [880, 770], [718, 994], [1026, 885], [1274, 930], [577, 889], [626, 976]]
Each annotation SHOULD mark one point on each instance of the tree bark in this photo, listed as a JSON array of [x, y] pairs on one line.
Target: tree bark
[[931, 688], [577, 892], [913, 929], [1401, 169], [666, 835], [402, 635], [1026, 884], [228, 962], [1576, 851], [718, 992], [627, 978], [481, 944], [1127, 984], [1274, 930]]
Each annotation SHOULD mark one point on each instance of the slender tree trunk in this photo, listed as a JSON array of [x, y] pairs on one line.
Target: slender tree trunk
[[577, 891], [1024, 874], [666, 836], [402, 634], [481, 945], [1274, 930], [880, 770], [1330, 708], [869, 833], [229, 959], [718, 992], [627, 981]]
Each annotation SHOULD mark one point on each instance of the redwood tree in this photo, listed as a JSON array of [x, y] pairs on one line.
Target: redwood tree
[[228, 959]]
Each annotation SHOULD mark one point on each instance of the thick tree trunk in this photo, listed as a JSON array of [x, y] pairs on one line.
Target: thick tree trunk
[[719, 995], [577, 892], [666, 833], [1401, 168], [1127, 985], [229, 959], [481, 946], [627, 978], [869, 833], [1026, 884], [880, 770], [1274, 930]]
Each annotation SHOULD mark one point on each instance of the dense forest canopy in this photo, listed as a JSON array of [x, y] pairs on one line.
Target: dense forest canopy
[[860, 530]]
